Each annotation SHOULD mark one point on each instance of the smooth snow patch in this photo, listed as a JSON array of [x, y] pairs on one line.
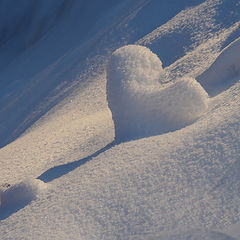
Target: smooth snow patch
[[224, 71], [191, 235], [21, 193], [234, 230], [140, 104]]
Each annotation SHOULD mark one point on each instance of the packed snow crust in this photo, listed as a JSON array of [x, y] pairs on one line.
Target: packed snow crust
[[183, 184], [140, 104]]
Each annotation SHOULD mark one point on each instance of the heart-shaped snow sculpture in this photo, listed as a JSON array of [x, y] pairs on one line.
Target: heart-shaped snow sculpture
[[140, 104]]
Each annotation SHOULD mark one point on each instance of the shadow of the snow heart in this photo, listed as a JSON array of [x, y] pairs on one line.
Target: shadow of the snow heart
[[141, 106], [5, 212], [140, 103], [60, 170]]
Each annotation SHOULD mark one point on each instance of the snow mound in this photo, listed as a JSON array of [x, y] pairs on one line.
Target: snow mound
[[224, 71], [21, 193], [140, 104]]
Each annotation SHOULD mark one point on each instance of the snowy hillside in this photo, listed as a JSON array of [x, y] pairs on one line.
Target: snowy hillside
[[120, 119]]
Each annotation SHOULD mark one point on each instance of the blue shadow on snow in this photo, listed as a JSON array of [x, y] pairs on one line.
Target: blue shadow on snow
[[6, 211], [59, 171]]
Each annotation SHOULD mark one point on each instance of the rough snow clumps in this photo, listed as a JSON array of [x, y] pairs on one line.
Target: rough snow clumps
[[140, 104], [21, 193]]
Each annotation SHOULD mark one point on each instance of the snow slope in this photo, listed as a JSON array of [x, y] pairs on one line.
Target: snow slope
[[57, 132]]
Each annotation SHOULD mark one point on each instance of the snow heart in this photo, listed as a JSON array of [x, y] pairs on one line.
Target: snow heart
[[140, 103]]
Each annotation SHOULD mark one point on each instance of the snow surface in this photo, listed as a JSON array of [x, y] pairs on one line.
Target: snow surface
[[19, 195], [225, 71], [56, 129], [192, 235]]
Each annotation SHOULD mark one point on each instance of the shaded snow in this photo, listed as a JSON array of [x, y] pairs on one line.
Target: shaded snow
[[191, 235], [48, 69], [234, 230], [22, 192], [19, 195], [224, 72], [19, 30]]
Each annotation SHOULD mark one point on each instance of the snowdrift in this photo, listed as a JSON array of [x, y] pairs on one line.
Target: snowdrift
[[224, 72], [140, 104], [21, 193]]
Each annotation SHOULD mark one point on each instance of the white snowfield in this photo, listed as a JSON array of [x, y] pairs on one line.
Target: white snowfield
[[100, 139]]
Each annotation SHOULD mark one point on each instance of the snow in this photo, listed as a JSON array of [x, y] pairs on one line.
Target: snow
[[234, 230], [140, 104], [225, 71], [192, 235], [18, 195], [16, 23], [174, 174], [21, 192]]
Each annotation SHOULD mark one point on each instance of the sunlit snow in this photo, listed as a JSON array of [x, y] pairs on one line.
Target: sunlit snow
[[140, 104]]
